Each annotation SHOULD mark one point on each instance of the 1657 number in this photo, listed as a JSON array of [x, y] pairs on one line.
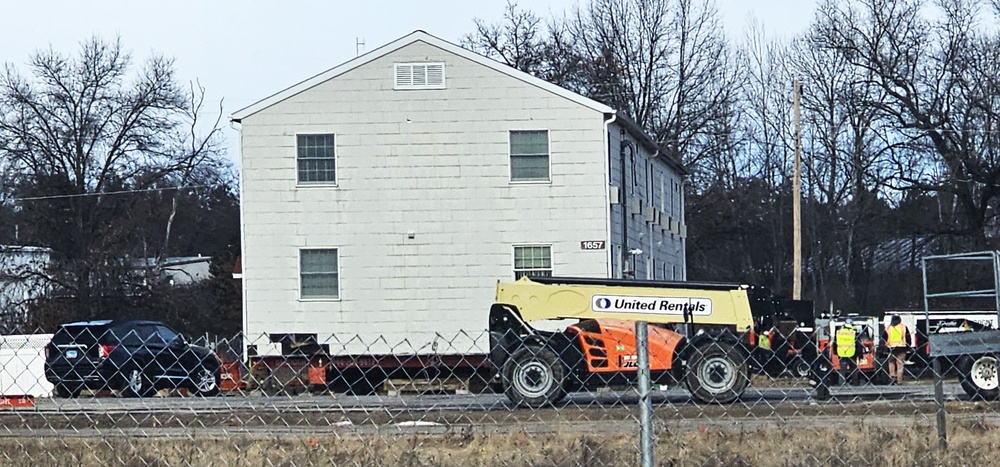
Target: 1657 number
[[592, 245]]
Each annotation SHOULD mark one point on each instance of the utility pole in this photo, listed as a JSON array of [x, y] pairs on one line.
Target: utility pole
[[797, 196]]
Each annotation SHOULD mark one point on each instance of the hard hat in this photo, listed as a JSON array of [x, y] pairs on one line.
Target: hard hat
[[849, 322]]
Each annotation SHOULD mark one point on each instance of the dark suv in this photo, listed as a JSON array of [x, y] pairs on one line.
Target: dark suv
[[136, 358]]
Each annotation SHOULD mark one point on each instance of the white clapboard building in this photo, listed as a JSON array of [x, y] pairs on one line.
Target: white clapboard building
[[385, 197]]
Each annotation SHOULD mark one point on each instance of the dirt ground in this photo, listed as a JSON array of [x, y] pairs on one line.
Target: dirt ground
[[974, 440], [975, 444]]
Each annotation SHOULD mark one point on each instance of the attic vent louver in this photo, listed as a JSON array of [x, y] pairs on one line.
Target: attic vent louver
[[419, 75]]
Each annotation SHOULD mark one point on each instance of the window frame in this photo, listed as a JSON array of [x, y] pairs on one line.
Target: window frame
[[513, 258], [412, 87], [548, 157], [336, 158], [302, 298]]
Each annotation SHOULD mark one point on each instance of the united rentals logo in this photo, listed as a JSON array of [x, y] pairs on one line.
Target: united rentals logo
[[652, 305]]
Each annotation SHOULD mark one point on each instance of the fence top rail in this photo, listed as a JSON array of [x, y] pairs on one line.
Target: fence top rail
[[985, 293], [971, 256]]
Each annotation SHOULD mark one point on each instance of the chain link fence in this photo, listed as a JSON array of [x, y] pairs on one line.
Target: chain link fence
[[136, 393]]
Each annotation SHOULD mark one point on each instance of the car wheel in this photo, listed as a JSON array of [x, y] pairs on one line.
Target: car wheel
[[205, 382], [137, 384], [66, 392]]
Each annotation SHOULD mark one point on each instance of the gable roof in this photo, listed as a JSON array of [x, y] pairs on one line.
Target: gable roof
[[416, 36]]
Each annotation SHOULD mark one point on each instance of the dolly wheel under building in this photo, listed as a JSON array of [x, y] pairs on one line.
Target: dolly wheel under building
[[981, 380], [717, 373], [533, 376]]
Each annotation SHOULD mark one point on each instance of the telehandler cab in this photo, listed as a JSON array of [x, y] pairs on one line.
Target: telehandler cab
[[701, 335]]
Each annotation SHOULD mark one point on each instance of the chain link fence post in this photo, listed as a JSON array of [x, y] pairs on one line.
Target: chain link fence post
[[645, 403], [939, 401]]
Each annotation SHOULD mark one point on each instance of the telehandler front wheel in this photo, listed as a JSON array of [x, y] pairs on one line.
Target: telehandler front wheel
[[716, 373], [533, 376]]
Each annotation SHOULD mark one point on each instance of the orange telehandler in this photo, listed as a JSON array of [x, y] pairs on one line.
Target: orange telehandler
[[700, 334]]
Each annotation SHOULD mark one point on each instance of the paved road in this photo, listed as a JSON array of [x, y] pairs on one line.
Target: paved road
[[916, 392], [254, 415]]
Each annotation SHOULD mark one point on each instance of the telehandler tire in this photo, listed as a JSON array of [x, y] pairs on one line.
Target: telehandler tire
[[716, 373], [799, 367], [979, 377], [533, 376]]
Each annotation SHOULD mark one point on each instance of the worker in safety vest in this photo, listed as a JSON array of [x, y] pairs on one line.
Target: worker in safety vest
[[847, 347], [764, 340], [897, 339]]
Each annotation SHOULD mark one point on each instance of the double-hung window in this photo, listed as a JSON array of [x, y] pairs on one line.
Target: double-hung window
[[532, 261], [318, 274], [316, 159], [529, 156]]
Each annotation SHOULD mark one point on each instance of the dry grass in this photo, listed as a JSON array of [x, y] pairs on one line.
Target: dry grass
[[972, 443]]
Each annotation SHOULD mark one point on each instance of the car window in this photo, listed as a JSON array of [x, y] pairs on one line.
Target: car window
[[136, 335], [70, 334], [166, 334]]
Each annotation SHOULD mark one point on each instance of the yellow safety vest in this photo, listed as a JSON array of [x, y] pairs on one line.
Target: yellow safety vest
[[896, 334], [846, 340], [764, 342]]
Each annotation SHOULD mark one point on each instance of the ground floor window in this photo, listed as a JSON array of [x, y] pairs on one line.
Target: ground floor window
[[318, 273], [532, 261]]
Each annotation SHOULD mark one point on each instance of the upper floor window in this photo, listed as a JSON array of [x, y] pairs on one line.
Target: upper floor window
[[419, 75], [529, 156], [319, 275], [532, 261], [317, 161]]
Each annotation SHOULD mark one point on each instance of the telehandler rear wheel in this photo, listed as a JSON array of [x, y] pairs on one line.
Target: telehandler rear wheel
[[716, 373], [533, 376]]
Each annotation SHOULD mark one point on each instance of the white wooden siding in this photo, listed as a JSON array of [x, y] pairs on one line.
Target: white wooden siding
[[434, 163]]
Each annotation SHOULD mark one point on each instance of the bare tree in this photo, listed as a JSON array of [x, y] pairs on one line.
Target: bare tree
[[517, 40], [664, 63], [940, 82], [849, 164], [751, 191], [520, 41], [86, 136]]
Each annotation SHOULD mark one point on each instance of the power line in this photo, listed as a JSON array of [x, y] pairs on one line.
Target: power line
[[80, 195]]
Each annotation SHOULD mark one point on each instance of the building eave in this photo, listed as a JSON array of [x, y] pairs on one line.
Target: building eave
[[647, 141]]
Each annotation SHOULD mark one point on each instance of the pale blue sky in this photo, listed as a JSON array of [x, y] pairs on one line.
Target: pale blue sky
[[247, 50]]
